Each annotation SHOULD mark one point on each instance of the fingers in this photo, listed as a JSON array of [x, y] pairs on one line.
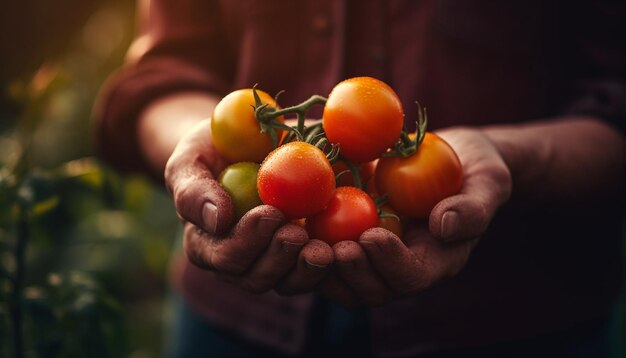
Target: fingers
[[355, 269], [280, 257], [236, 253], [248, 240], [313, 264], [262, 254], [403, 270], [420, 263]]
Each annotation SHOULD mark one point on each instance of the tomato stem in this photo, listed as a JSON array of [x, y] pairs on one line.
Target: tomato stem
[[407, 146], [267, 116], [380, 202], [321, 142], [385, 214], [302, 107], [312, 131], [300, 110], [356, 173], [340, 174]]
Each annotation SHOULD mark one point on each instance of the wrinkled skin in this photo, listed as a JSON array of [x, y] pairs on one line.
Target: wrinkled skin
[[363, 273], [263, 251]]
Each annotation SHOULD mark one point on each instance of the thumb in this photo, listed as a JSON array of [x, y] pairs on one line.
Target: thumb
[[189, 177], [487, 185], [203, 202]]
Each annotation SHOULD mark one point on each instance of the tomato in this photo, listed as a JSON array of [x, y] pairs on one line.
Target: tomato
[[364, 117], [415, 184], [349, 213], [366, 172], [391, 223], [239, 180], [235, 130], [296, 178]]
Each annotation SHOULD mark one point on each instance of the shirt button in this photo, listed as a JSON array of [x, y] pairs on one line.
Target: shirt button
[[321, 25]]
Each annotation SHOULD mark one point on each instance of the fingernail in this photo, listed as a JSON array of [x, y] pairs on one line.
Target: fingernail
[[266, 226], [369, 245], [209, 217], [449, 224], [315, 266], [291, 246]]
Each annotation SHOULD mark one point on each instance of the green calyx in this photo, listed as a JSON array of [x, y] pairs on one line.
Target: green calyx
[[320, 141], [380, 202], [267, 117], [407, 146]]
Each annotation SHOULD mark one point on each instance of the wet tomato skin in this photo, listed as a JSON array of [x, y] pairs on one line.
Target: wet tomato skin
[[239, 180], [415, 184], [348, 214], [296, 178], [364, 116], [235, 131]]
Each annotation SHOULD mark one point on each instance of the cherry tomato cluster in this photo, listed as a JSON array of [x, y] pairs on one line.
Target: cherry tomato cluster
[[350, 171]]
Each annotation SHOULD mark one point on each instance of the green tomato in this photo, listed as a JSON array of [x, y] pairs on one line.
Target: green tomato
[[239, 180]]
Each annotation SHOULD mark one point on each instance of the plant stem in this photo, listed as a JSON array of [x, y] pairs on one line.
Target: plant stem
[[300, 110], [18, 282], [302, 107], [267, 115], [355, 170], [301, 119]]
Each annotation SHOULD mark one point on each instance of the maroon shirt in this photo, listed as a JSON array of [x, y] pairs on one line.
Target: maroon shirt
[[536, 270]]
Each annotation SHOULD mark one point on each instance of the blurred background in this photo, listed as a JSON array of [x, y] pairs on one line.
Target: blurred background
[[83, 251]]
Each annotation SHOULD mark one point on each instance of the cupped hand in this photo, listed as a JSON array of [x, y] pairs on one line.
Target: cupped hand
[[381, 267], [262, 251]]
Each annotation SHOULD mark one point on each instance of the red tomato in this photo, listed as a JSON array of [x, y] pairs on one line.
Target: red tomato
[[296, 178], [235, 130], [415, 184], [364, 117], [349, 213]]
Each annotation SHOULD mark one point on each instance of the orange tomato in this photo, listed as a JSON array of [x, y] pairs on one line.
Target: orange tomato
[[364, 117], [235, 131], [415, 184]]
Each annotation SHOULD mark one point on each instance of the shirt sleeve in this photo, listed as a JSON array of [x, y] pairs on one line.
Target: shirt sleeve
[[599, 86], [181, 47]]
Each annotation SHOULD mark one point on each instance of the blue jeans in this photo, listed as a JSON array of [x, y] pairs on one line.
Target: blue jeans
[[340, 333], [336, 331]]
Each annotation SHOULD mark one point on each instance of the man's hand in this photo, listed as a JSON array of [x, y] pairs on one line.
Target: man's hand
[[260, 252], [381, 267]]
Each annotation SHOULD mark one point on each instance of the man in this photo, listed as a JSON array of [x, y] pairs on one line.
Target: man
[[531, 97]]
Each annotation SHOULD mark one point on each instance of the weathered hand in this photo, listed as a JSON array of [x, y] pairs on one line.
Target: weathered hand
[[261, 251], [381, 267]]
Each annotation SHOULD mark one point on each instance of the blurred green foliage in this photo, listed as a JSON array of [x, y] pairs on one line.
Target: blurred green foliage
[[83, 251]]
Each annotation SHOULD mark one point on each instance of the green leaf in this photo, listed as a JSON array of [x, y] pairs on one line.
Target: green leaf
[[43, 207], [85, 171]]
